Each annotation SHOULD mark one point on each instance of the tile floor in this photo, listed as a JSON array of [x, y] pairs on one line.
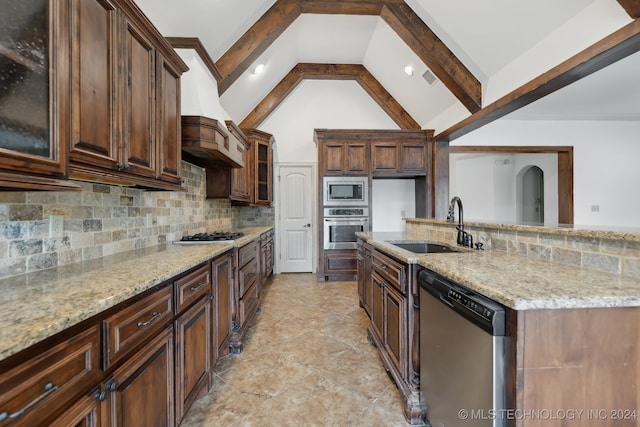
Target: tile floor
[[306, 362]]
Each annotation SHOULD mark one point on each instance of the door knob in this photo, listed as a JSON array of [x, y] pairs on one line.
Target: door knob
[[307, 225]]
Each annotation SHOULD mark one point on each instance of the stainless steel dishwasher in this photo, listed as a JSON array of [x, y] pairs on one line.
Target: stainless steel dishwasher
[[462, 352]]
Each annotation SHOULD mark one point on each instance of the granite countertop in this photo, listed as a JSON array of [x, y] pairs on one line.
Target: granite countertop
[[519, 282], [38, 305]]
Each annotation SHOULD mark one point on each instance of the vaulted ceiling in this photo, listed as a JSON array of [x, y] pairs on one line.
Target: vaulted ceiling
[[463, 43]]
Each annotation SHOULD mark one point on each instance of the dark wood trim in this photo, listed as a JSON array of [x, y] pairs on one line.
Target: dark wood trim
[[610, 49], [565, 170], [433, 52], [632, 7], [440, 179], [330, 72], [195, 44], [400, 17], [345, 7], [19, 182], [255, 41]]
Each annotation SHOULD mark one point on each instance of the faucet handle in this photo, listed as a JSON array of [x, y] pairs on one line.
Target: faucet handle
[[468, 239]]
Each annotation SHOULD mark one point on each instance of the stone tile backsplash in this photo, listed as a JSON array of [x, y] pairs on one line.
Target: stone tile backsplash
[[617, 256], [103, 220]]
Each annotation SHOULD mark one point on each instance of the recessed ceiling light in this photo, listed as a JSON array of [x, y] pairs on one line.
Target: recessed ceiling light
[[259, 68], [408, 70]]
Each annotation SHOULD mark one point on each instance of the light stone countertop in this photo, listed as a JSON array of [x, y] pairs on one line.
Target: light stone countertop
[[38, 305], [519, 282]]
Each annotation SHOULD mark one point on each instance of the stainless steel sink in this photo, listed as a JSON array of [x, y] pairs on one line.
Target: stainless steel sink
[[424, 247]]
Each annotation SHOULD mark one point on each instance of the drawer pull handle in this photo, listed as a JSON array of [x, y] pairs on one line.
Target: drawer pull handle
[[148, 322], [251, 275], [383, 266], [48, 389], [197, 288]]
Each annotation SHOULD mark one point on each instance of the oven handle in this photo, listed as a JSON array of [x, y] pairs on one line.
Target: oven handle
[[345, 219]]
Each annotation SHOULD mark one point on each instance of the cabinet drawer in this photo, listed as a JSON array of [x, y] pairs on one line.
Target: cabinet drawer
[[247, 253], [394, 272], [126, 329], [249, 304], [50, 380], [248, 275], [192, 286]]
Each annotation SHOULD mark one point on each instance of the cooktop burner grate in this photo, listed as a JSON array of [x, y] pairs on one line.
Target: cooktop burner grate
[[216, 236]]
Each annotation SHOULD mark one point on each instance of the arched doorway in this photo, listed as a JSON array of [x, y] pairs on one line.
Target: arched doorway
[[531, 202]]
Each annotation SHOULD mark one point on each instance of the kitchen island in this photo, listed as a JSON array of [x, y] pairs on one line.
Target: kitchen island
[[572, 332]]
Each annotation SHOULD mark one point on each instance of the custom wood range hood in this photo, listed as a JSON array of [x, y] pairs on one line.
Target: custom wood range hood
[[206, 142]]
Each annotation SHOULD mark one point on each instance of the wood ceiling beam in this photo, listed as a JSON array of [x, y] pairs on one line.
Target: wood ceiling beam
[[330, 72], [618, 45], [345, 7], [632, 7], [255, 41], [433, 52]]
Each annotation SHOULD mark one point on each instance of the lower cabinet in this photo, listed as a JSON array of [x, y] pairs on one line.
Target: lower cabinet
[[141, 363], [338, 264], [86, 412], [141, 391], [266, 255], [222, 276], [388, 288], [193, 355]]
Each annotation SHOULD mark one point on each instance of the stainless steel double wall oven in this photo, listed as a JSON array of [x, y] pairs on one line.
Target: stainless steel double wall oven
[[346, 210]]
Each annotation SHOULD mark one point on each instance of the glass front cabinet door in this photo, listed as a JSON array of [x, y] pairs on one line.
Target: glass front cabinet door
[[34, 87]]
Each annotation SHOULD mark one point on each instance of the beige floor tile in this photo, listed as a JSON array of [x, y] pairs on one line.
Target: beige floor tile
[[306, 362]]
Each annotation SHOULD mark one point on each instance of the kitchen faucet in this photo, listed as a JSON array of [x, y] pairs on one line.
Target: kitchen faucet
[[464, 238]]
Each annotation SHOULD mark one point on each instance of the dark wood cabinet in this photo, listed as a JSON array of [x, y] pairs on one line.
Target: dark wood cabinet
[[35, 82], [193, 358], [344, 158], [225, 182], [266, 255], [394, 323], [399, 158], [222, 279], [260, 166], [86, 412], [50, 380], [142, 389], [339, 264], [125, 110], [364, 276], [246, 288]]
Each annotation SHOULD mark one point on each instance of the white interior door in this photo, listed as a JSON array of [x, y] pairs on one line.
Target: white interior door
[[296, 218]]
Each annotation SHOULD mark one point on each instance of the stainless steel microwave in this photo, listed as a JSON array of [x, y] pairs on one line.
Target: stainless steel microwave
[[345, 191]]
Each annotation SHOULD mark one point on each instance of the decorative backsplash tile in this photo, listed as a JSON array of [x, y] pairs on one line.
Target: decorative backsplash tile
[[586, 249], [103, 220]]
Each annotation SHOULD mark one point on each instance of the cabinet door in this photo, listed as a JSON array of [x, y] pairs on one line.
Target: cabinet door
[[356, 160], [86, 412], [240, 178], [168, 129], [139, 139], [144, 390], [263, 173], [222, 269], [413, 157], [94, 137], [377, 304], [33, 77], [384, 157], [395, 315], [193, 358], [333, 156]]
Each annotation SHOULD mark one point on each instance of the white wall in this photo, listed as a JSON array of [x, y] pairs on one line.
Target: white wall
[[392, 200], [606, 172], [317, 104]]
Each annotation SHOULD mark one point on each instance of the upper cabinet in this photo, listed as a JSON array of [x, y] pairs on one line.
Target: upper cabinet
[[399, 157], [261, 167], [126, 97], [88, 89], [34, 82], [344, 157]]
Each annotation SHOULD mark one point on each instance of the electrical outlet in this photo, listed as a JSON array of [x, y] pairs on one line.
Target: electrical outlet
[[56, 225]]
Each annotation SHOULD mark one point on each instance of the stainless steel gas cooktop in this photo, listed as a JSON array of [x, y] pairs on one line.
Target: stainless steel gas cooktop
[[214, 237]]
